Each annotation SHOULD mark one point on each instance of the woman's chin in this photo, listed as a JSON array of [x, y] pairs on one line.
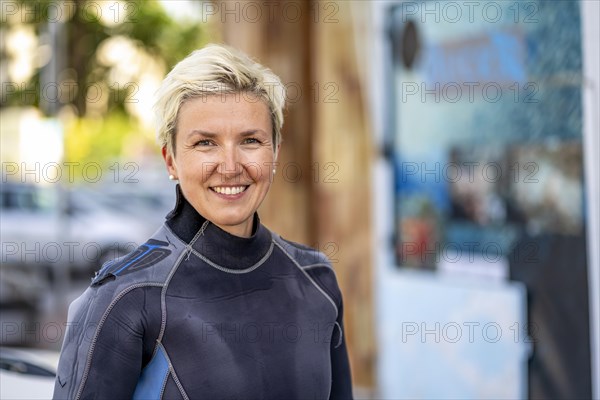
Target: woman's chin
[[233, 223]]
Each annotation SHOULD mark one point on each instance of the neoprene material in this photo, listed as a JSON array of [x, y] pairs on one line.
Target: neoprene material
[[197, 313]]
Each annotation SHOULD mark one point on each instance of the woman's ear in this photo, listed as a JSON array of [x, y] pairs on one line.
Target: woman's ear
[[169, 162]]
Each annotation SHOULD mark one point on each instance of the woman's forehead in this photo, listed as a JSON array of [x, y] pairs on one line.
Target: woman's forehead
[[213, 115], [217, 105]]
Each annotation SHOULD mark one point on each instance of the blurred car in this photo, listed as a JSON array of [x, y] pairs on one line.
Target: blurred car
[[27, 373], [50, 227], [150, 205]]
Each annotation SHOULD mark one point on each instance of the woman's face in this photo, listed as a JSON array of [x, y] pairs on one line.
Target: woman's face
[[224, 158]]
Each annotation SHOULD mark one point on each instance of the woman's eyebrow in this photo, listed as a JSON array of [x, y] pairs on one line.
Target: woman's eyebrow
[[202, 133], [251, 132], [208, 134]]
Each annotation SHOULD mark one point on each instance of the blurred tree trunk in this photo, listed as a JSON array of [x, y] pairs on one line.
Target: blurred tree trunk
[[343, 150], [282, 44], [79, 57], [84, 34], [321, 193]]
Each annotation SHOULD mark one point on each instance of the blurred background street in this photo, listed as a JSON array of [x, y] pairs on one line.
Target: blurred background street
[[443, 154]]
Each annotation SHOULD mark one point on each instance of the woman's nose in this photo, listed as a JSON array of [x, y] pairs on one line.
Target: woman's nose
[[230, 163]]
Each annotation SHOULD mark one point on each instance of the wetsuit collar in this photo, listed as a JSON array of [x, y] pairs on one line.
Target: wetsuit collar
[[218, 246]]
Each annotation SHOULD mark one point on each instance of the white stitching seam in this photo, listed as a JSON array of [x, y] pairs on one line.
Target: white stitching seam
[[164, 384], [163, 302], [173, 374], [220, 267], [99, 328], [336, 323], [309, 278], [305, 267], [231, 270]]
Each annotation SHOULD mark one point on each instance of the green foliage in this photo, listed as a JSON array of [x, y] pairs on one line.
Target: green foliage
[[143, 21], [100, 140], [149, 27]]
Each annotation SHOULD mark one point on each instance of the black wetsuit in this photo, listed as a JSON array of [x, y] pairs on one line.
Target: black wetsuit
[[197, 313]]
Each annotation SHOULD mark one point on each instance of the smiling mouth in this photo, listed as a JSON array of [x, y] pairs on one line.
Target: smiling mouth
[[229, 190]]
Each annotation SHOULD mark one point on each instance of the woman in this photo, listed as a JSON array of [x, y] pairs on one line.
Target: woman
[[214, 305]]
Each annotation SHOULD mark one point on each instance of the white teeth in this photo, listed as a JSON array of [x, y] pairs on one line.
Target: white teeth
[[229, 190]]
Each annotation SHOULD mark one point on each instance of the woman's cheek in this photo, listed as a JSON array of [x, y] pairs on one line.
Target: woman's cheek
[[254, 170], [204, 163]]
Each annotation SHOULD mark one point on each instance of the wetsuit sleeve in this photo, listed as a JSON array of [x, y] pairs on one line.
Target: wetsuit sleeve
[[105, 347], [341, 379]]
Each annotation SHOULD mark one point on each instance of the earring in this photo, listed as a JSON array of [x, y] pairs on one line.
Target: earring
[[171, 177], [273, 171]]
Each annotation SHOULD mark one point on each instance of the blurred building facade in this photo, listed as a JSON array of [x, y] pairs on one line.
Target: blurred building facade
[[494, 196]]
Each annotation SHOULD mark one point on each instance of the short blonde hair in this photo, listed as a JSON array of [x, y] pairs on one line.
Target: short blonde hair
[[216, 70]]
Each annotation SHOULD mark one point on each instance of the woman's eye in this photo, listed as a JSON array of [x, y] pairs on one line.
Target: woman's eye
[[251, 141]]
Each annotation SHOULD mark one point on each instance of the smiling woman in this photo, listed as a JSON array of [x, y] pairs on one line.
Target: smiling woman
[[224, 158], [214, 305]]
